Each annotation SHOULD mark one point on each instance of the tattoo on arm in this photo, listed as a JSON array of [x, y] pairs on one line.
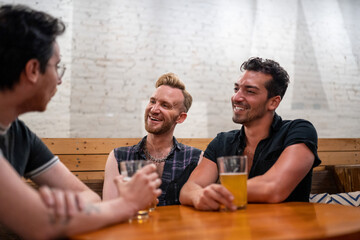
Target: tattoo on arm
[[90, 209]]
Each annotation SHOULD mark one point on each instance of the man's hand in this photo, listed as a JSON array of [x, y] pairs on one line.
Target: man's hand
[[65, 204], [141, 189], [212, 197]]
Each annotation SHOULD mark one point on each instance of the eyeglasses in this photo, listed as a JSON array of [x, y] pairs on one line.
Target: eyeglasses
[[60, 69]]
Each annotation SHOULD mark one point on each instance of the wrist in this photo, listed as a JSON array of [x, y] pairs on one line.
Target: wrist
[[128, 208]]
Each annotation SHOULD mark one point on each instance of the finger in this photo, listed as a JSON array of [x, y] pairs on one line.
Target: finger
[[206, 203], [210, 200], [157, 183], [210, 204], [153, 176], [80, 202], [70, 204], [59, 202], [157, 194], [224, 196], [216, 195], [46, 195], [148, 169]]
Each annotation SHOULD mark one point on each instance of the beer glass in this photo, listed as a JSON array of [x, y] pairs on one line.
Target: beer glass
[[128, 169], [233, 176], [153, 205]]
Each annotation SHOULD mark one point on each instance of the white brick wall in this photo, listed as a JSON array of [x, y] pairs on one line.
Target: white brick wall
[[115, 51]]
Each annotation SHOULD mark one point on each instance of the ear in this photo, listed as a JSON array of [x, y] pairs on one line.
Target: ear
[[274, 102], [32, 70], [181, 118]]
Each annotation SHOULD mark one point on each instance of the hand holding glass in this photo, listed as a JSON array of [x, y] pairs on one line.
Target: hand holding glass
[[128, 169], [233, 176]]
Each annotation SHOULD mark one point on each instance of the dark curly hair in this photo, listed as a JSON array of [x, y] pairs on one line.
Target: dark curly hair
[[280, 78], [25, 34]]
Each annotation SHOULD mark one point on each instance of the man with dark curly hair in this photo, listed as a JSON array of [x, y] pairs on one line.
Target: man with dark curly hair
[[281, 153]]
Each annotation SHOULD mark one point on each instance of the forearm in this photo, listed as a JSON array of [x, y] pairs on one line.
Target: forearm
[[262, 189], [203, 175], [98, 215], [90, 196], [189, 192], [45, 224], [282, 178], [32, 219]]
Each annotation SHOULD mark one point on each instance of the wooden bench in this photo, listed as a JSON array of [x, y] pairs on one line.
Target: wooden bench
[[86, 158]]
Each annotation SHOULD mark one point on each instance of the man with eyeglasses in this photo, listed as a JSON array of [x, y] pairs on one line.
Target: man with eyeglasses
[[30, 71]]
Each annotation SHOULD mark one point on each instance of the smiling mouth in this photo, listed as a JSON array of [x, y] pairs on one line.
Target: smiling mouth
[[154, 119], [239, 108]]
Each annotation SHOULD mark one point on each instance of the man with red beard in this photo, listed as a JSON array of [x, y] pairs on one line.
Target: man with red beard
[[167, 107], [281, 153]]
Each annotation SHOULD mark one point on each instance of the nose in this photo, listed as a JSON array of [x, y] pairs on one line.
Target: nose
[[155, 108], [238, 96]]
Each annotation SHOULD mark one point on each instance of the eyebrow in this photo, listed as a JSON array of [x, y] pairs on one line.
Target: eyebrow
[[251, 87], [162, 101], [247, 86]]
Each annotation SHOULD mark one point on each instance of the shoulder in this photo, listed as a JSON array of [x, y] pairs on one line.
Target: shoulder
[[127, 149], [299, 126], [21, 131], [229, 136], [298, 123], [298, 131], [186, 148], [19, 126], [126, 152], [224, 140]]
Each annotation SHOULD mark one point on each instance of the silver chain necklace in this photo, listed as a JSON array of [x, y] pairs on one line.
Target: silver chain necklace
[[157, 160]]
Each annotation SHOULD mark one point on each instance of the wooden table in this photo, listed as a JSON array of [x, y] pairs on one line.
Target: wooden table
[[258, 221]]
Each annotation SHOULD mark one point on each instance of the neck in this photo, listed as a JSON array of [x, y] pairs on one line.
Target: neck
[[14, 102], [8, 109], [258, 130], [158, 143], [158, 148]]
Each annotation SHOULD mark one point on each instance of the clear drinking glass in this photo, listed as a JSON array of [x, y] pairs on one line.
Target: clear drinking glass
[[233, 176], [153, 205], [128, 169]]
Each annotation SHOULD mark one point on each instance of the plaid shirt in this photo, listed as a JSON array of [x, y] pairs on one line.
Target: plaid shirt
[[177, 169]]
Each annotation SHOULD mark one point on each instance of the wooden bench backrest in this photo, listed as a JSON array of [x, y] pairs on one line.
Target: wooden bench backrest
[[86, 157]]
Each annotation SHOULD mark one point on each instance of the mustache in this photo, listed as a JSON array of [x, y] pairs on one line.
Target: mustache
[[240, 104]]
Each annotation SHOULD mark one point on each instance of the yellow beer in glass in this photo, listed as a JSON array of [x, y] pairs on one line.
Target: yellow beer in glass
[[233, 176], [236, 184]]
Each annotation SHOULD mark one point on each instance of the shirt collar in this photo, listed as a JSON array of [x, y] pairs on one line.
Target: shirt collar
[[3, 129], [139, 147], [275, 126]]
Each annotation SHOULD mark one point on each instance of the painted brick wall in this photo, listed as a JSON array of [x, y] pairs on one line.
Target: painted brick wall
[[115, 51]]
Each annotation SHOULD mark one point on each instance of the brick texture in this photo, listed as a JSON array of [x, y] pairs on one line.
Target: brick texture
[[115, 51]]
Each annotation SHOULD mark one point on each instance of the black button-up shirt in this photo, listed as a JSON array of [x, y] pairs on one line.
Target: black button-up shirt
[[283, 133]]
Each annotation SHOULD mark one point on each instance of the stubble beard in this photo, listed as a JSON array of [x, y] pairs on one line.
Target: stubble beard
[[166, 126], [249, 116]]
